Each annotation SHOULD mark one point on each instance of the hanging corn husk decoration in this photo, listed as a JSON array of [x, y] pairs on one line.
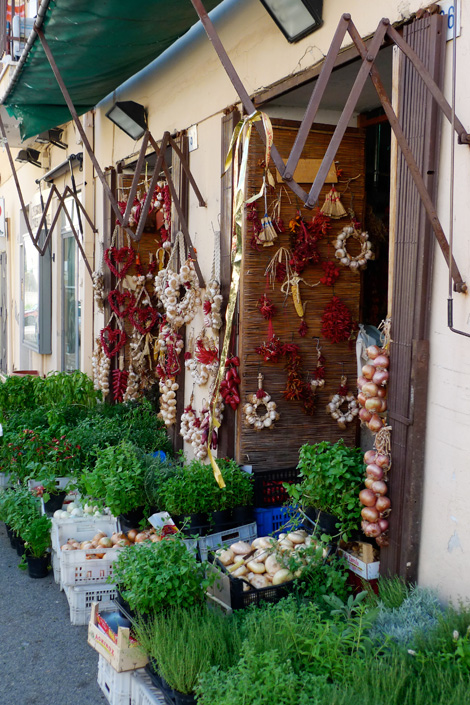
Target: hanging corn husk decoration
[[333, 206]]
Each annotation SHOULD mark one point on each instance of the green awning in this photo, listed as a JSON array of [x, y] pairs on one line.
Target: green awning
[[97, 45]]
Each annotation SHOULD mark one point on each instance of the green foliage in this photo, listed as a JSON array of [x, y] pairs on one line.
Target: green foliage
[[184, 643], [107, 425], [118, 478], [239, 489], [391, 592], [332, 476], [34, 454], [193, 489], [258, 679], [153, 577], [66, 388], [17, 394], [37, 535]]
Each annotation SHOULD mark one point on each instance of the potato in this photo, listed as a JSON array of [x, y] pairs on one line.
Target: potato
[[242, 570], [272, 566], [256, 567], [296, 537], [226, 557], [259, 581], [240, 547], [282, 576]]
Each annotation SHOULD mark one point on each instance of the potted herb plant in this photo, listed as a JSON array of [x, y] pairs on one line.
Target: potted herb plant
[[190, 496], [157, 576], [37, 539], [331, 477], [239, 489], [184, 643], [118, 480]]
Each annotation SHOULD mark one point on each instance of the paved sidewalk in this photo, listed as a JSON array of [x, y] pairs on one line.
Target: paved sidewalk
[[44, 660]]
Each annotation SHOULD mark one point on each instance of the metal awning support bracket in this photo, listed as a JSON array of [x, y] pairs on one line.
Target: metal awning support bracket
[[367, 68]]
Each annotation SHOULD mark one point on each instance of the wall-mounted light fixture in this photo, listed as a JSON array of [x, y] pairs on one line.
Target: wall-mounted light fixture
[[28, 156], [52, 137], [130, 117], [295, 18]]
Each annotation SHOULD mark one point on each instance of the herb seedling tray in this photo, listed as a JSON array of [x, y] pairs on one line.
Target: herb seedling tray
[[124, 653]]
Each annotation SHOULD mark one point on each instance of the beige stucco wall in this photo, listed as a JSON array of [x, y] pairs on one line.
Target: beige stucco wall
[[445, 547]]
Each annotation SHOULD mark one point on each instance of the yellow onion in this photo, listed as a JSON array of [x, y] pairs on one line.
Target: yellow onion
[[369, 456], [372, 351], [369, 481], [368, 371], [372, 529], [382, 362], [374, 471], [374, 404], [375, 424], [370, 390], [379, 487], [367, 498], [370, 514], [365, 415], [382, 504]]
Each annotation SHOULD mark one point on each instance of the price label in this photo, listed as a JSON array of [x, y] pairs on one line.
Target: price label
[[451, 8]]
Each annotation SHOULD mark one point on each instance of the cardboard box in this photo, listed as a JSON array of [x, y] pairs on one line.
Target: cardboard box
[[369, 570], [123, 655]]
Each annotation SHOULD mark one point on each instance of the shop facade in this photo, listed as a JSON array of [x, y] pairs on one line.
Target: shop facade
[[53, 320]]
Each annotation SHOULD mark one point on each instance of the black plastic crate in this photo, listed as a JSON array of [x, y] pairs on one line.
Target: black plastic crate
[[269, 489], [228, 590]]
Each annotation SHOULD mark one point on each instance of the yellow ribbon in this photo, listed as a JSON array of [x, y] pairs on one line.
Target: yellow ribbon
[[240, 140]]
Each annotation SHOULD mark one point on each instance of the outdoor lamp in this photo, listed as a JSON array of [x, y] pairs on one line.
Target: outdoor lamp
[[130, 117], [51, 137], [295, 18], [28, 156]]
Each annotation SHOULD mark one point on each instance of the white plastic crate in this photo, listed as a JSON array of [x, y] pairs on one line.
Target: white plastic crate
[[77, 569], [143, 691], [80, 528], [4, 480], [117, 687], [81, 598], [55, 560], [211, 542]]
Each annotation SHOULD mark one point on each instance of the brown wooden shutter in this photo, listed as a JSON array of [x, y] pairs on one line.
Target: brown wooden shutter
[[414, 246]]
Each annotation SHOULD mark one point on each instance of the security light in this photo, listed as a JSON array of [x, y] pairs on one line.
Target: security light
[[51, 137], [295, 18], [29, 156], [130, 117]]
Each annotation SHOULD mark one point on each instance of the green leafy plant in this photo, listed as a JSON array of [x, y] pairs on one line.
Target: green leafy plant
[[66, 388], [37, 535], [17, 394], [239, 487], [118, 478], [332, 476], [184, 643], [153, 577], [192, 490]]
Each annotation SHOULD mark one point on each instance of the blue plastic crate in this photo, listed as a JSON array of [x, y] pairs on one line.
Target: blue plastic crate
[[275, 520]]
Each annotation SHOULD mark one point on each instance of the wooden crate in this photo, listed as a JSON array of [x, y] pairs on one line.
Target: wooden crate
[[124, 655]]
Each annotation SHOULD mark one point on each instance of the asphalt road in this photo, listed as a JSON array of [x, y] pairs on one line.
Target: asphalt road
[[44, 660]]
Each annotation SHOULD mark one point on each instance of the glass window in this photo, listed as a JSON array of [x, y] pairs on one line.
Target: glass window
[[71, 319], [30, 294]]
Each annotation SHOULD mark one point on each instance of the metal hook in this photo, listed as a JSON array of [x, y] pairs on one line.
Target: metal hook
[[342, 367], [315, 337]]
